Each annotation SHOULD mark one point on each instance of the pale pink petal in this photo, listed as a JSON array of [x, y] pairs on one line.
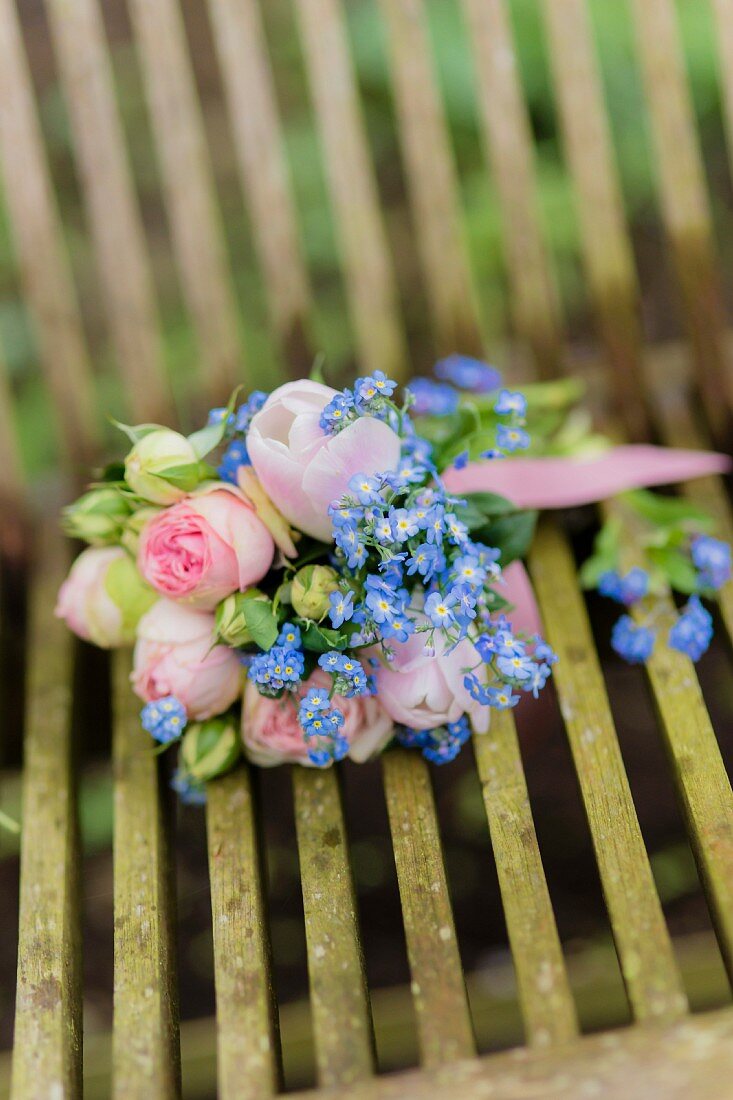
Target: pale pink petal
[[566, 482], [525, 616], [368, 446]]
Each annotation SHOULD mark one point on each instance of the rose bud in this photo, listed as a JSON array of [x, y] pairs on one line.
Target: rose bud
[[162, 467], [97, 517], [211, 748], [104, 597], [309, 593], [231, 625]]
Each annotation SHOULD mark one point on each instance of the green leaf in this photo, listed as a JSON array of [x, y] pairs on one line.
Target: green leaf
[[605, 556], [321, 639], [185, 477], [261, 623], [206, 439], [510, 534], [665, 511], [316, 372], [112, 472], [135, 432], [676, 567]]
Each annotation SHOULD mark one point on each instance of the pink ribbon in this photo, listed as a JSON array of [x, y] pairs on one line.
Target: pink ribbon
[[546, 483]]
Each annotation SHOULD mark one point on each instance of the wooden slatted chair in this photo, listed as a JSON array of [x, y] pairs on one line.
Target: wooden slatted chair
[[653, 390]]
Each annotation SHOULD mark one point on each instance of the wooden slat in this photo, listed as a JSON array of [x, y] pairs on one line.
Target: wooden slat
[[642, 940], [11, 474], [48, 1040], [145, 1051], [702, 783], [342, 1022], [507, 136], [606, 246], [439, 992], [188, 188], [723, 11], [116, 228], [544, 993], [248, 1055], [47, 280], [260, 145], [685, 204], [432, 180], [369, 274]]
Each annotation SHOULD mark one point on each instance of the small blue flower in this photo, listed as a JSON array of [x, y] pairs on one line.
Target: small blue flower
[[628, 589], [632, 642], [404, 524], [510, 404], [245, 412], [693, 631], [342, 608], [712, 558], [234, 456], [164, 719], [412, 739], [439, 608], [461, 461], [431, 398], [468, 373], [289, 636], [336, 413], [367, 489], [501, 698], [188, 790], [517, 667], [424, 560], [511, 438]]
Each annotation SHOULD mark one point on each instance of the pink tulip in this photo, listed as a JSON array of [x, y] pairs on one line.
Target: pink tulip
[[517, 589], [205, 547], [272, 734], [566, 482], [103, 597], [424, 690], [175, 654], [304, 469]]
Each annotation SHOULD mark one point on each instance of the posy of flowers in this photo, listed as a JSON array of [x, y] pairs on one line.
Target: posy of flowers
[[343, 573]]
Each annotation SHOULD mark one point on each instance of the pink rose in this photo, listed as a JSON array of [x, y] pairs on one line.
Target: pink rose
[[304, 469], [205, 547], [103, 597], [424, 691], [272, 734], [175, 655]]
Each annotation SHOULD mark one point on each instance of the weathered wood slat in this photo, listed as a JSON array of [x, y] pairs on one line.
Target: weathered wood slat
[[188, 188], [248, 1054], [48, 286], [48, 1038], [547, 1003], [508, 140], [642, 940], [11, 474], [702, 783], [432, 180], [145, 1050], [260, 148], [443, 1018], [723, 12], [114, 218], [606, 245], [684, 199], [342, 1022], [367, 263]]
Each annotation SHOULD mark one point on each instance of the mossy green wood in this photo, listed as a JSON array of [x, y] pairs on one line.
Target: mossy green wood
[[642, 939], [702, 783], [248, 1052], [547, 1003], [342, 1022], [145, 1051], [438, 986], [48, 1040]]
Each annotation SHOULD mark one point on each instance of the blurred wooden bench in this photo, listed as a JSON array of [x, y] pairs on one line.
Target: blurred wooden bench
[[680, 1055]]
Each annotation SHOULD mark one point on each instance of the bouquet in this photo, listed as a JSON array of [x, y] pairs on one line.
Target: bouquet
[[318, 573]]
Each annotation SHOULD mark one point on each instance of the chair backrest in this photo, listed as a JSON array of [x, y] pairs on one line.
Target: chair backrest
[[399, 301], [120, 282]]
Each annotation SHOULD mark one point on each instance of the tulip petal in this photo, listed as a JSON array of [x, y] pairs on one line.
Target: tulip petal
[[566, 482]]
